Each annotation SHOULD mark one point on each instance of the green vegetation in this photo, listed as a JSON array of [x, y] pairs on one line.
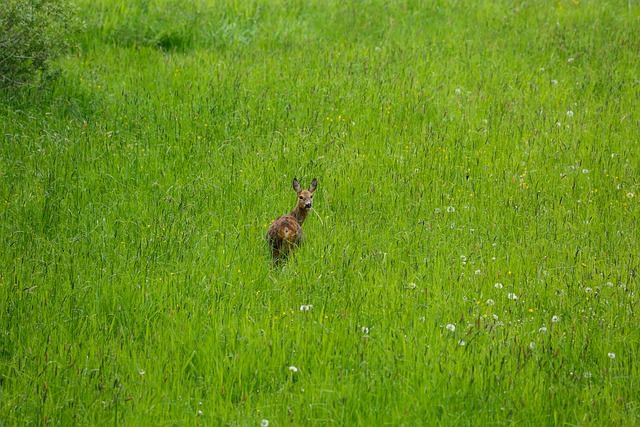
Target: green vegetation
[[471, 259], [33, 33]]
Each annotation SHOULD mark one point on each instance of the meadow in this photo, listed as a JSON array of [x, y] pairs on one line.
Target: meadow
[[471, 259]]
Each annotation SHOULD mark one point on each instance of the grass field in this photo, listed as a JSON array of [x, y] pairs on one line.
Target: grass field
[[472, 257]]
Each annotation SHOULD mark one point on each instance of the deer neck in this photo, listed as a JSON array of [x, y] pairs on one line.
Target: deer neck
[[299, 214]]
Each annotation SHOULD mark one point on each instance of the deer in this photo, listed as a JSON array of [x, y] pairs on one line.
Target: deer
[[285, 233]]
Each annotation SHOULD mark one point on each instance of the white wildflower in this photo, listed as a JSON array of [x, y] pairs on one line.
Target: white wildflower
[[451, 327]]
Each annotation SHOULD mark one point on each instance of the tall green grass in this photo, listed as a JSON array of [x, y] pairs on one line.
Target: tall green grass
[[473, 254]]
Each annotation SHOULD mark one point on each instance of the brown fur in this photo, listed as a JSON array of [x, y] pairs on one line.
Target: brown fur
[[285, 233]]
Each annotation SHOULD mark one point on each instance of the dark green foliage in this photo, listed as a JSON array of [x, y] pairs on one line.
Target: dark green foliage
[[33, 33]]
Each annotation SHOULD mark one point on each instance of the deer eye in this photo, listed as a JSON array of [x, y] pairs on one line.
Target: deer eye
[[312, 196], [300, 197]]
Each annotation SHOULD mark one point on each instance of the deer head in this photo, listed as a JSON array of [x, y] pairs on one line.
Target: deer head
[[305, 200]]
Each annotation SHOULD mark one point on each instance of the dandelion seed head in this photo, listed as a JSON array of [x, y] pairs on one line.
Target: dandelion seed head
[[570, 113], [512, 296], [293, 369], [611, 355], [264, 423], [451, 327], [555, 319], [498, 285], [490, 302], [543, 330]]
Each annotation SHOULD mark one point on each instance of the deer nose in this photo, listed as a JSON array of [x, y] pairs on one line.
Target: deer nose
[[308, 205]]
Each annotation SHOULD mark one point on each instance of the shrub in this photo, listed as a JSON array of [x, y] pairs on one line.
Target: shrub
[[32, 34]]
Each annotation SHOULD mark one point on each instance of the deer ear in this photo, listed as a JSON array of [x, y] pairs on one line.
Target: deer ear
[[296, 185], [313, 185]]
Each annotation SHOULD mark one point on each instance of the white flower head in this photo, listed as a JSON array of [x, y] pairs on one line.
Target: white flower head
[[588, 290], [555, 319], [461, 342], [490, 302], [498, 285], [293, 369], [543, 330], [365, 330], [512, 296], [451, 327], [611, 355], [264, 423], [451, 209], [306, 307], [570, 113]]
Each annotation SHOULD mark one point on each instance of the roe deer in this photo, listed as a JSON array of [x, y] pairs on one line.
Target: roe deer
[[285, 233]]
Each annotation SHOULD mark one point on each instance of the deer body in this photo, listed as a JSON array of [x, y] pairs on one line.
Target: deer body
[[285, 233]]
